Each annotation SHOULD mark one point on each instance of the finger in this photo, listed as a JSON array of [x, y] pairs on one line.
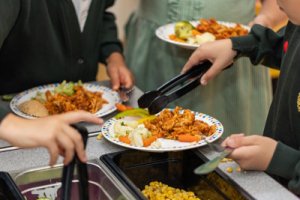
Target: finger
[[54, 152], [196, 58], [115, 78], [79, 116], [78, 142], [68, 146], [224, 143], [243, 153], [126, 79], [213, 71], [236, 142]]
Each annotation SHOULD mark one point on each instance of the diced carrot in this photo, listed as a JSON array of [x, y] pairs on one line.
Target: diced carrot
[[122, 107], [148, 141], [124, 139], [172, 37], [188, 138], [195, 32]]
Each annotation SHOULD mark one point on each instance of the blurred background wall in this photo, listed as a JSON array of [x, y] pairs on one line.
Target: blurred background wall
[[122, 10]]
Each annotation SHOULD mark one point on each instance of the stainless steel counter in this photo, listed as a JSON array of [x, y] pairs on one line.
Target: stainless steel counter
[[258, 184]]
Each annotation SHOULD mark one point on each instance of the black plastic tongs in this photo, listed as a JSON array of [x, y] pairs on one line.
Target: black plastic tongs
[[158, 99], [82, 172]]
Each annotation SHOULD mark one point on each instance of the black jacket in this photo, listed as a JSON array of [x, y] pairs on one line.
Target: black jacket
[[41, 42], [281, 50]]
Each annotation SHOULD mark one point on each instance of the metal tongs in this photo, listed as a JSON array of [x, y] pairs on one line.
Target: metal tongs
[[158, 99], [68, 172]]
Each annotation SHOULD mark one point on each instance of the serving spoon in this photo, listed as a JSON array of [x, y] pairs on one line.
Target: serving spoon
[[213, 164]]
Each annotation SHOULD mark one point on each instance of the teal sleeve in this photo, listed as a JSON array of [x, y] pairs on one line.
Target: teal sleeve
[[9, 11], [110, 42], [261, 45], [286, 163]]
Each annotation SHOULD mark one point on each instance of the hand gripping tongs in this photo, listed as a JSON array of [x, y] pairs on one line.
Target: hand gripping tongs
[[158, 99], [82, 172]]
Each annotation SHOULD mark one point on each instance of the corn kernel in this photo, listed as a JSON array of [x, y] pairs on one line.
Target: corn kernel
[[99, 136], [159, 191], [229, 169]]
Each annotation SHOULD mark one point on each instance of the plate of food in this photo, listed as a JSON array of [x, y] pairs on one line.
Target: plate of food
[[190, 34], [170, 130], [57, 98]]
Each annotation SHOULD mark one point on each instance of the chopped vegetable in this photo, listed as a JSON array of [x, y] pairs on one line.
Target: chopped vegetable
[[40, 96], [7, 97], [67, 88], [138, 112], [188, 138], [148, 141], [142, 120], [124, 139], [183, 29], [122, 107]]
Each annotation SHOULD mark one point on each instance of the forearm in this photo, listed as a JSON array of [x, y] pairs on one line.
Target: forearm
[[261, 45], [6, 126], [115, 57], [271, 11]]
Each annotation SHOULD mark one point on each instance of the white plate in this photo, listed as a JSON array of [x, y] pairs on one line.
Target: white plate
[[163, 33], [111, 96], [166, 144]]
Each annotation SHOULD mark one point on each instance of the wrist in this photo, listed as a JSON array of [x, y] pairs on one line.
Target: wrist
[[264, 20], [7, 126], [115, 57]]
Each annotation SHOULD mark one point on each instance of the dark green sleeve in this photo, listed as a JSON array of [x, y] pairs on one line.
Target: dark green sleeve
[[262, 45], [286, 163], [110, 42], [9, 11], [3, 113]]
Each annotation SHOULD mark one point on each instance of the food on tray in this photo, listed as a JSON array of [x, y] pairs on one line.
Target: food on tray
[[34, 108], [65, 97], [177, 124], [133, 112], [157, 190], [121, 107], [206, 30], [183, 29]]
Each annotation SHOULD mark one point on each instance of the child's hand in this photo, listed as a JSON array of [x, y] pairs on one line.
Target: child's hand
[[251, 152], [53, 133], [219, 53], [118, 72]]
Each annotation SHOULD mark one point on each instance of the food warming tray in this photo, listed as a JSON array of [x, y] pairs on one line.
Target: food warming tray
[[135, 169]]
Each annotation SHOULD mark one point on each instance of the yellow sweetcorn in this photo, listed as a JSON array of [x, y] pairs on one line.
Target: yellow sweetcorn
[[159, 191]]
